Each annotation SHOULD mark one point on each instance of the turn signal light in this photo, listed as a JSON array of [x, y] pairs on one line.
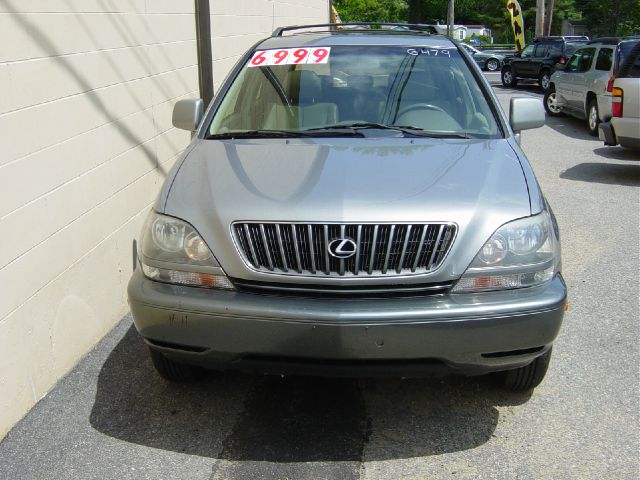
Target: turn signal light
[[616, 105]]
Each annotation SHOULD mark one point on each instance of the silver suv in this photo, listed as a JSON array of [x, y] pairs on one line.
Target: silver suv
[[352, 203], [583, 86]]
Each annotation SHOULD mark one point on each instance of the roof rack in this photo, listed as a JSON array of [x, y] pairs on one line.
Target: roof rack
[[567, 38], [613, 40], [407, 27]]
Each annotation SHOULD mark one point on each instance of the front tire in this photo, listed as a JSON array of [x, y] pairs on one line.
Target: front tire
[[492, 64], [551, 102], [593, 117], [528, 377], [508, 78], [175, 371], [545, 79]]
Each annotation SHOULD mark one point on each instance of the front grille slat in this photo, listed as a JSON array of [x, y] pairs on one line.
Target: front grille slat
[[435, 247], [285, 267], [266, 246], [295, 248], [311, 247], [373, 249], [404, 249], [384, 249]]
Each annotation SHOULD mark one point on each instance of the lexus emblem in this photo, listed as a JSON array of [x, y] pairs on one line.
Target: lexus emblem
[[342, 248]]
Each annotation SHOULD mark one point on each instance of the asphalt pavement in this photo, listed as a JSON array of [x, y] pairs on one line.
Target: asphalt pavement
[[112, 417]]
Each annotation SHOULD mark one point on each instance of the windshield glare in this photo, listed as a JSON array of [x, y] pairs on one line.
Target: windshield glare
[[424, 88]]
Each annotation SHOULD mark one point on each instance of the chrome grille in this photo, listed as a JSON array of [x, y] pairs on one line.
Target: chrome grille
[[381, 249]]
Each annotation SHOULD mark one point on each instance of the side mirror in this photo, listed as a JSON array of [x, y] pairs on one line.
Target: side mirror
[[560, 66], [525, 113], [187, 114]]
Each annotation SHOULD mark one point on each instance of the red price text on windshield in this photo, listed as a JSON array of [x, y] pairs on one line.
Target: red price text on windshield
[[288, 56]]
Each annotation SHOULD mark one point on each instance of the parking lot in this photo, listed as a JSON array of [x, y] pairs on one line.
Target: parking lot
[[113, 417]]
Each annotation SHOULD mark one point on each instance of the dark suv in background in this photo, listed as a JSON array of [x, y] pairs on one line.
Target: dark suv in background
[[537, 60]]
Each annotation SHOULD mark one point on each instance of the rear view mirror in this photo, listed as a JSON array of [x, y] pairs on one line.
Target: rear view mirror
[[187, 114], [525, 113]]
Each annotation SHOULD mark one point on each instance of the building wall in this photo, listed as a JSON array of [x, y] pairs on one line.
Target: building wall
[[85, 127]]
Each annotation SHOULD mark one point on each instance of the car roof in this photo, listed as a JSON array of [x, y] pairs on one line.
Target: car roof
[[613, 40], [307, 37]]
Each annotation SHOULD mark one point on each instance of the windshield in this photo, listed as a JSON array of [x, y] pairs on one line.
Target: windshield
[[426, 89]]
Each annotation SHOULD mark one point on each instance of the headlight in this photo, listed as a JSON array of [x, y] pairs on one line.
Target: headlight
[[522, 253], [172, 251]]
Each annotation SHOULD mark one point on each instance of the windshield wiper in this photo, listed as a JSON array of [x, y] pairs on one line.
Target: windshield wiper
[[280, 134], [256, 134], [406, 129]]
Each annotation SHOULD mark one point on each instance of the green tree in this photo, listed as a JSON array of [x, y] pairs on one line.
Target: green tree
[[610, 17], [393, 11]]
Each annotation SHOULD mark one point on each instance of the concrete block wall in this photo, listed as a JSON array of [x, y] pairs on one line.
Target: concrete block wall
[[238, 24], [86, 93]]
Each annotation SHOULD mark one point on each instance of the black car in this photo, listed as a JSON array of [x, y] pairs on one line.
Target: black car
[[537, 60]]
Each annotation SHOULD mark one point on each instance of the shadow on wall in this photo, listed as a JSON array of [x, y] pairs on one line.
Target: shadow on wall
[[46, 45], [235, 416]]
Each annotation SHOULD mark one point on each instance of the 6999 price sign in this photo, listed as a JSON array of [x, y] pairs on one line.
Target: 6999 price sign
[[289, 56]]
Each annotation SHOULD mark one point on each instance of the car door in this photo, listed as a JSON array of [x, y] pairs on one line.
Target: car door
[[581, 78], [565, 87], [521, 63], [539, 54]]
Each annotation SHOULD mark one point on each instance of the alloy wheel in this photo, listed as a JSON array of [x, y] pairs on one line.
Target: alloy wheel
[[552, 103], [544, 81]]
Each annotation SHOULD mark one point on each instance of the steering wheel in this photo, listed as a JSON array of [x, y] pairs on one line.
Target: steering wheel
[[419, 106]]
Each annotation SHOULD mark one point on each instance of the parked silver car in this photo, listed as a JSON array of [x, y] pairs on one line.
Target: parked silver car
[[624, 127], [491, 61], [352, 203], [583, 86]]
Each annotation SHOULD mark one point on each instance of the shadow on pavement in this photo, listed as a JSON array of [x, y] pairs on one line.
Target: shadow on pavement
[[291, 419], [611, 174], [618, 153], [571, 127]]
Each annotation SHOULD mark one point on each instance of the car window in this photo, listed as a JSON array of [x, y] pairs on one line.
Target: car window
[[631, 67], [581, 60], [469, 49], [569, 49], [540, 51], [555, 49], [625, 50], [574, 62], [527, 52], [428, 88], [605, 59], [587, 59]]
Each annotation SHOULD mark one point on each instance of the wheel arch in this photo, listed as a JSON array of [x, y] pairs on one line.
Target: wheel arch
[[590, 96]]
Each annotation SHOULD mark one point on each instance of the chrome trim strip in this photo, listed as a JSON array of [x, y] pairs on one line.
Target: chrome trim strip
[[435, 248], [266, 246], [404, 249], [251, 248], [284, 257], [312, 249], [373, 249], [295, 247], [388, 252]]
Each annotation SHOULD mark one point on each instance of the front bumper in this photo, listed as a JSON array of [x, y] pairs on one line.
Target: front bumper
[[463, 333]]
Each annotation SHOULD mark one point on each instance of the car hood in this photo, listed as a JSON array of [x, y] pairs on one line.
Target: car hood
[[477, 184]]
